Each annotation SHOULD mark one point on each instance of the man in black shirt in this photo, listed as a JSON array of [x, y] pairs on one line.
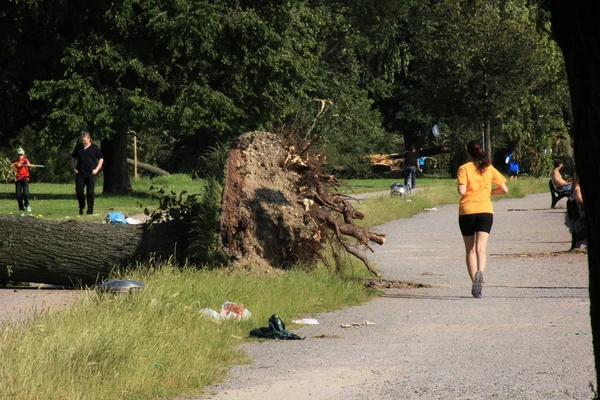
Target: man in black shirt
[[411, 164], [86, 161]]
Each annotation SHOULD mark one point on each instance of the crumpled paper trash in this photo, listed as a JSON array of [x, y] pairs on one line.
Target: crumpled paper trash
[[229, 310]]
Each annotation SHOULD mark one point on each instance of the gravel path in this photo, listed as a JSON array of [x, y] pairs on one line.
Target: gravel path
[[528, 338]]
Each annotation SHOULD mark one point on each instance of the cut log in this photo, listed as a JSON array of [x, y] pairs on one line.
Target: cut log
[[149, 168], [71, 253]]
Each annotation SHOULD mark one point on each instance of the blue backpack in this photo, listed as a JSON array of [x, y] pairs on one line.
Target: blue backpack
[[115, 218]]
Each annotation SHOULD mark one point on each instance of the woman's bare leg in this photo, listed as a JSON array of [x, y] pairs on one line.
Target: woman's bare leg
[[471, 255], [481, 249]]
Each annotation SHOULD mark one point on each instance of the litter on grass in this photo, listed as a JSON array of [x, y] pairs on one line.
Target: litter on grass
[[357, 324], [229, 310], [275, 330], [306, 321], [121, 286]]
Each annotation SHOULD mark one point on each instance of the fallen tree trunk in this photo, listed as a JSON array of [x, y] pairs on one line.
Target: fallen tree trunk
[[72, 253], [149, 168]]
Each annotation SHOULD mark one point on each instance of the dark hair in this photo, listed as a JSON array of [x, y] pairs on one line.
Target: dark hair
[[557, 163], [478, 156]]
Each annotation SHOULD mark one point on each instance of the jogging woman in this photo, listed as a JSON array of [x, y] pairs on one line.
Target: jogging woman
[[475, 212]]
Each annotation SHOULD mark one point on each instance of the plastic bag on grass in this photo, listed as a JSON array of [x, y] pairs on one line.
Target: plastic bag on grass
[[275, 330], [237, 311]]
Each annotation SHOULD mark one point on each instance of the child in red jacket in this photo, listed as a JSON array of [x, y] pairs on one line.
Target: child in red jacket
[[21, 167]]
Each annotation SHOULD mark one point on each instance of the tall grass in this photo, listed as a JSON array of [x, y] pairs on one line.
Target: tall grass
[[156, 342]]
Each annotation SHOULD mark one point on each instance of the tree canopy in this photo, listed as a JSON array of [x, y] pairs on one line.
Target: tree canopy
[[361, 77]]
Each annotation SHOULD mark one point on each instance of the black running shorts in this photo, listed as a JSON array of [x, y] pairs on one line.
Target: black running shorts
[[471, 223]]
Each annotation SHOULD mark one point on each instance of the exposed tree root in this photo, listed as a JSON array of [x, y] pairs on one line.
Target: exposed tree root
[[279, 208]]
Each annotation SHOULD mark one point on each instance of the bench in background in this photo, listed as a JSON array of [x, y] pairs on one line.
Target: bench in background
[[556, 194]]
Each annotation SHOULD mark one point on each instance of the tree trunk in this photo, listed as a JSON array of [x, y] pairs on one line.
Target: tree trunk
[[72, 253], [149, 168], [488, 138], [116, 174], [575, 26]]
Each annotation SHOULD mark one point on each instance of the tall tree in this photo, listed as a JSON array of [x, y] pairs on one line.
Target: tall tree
[[477, 62], [179, 68]]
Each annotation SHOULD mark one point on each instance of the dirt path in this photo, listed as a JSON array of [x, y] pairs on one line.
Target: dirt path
[[528, 338], [25, 302]]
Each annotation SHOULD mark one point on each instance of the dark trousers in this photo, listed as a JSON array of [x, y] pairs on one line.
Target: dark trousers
[[22, 189], [408, 170], [89, 182]]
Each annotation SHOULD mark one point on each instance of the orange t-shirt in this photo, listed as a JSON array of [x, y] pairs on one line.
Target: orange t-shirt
[[478, 197]]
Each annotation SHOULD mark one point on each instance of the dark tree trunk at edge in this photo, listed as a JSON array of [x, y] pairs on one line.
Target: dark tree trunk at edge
[[116, 173], [575, 27]]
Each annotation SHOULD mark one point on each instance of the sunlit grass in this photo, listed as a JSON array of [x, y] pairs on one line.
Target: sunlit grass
[[58, 201], [156, 342]]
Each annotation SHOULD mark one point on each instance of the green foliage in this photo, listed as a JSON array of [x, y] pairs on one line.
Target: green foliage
[[187, 75], [204, 248], [174, 205], [7, 171], [476, 65], [348, 129]]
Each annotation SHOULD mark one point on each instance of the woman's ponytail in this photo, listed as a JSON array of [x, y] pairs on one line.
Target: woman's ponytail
[[478, 156]]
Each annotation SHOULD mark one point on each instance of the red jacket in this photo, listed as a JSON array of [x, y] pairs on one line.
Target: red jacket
[[22, 168]]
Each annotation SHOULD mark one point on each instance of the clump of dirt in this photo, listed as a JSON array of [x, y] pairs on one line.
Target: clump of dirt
[[279, 209]]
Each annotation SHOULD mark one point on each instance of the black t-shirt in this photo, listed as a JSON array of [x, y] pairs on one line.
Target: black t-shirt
[[87, 159], [411, 158]]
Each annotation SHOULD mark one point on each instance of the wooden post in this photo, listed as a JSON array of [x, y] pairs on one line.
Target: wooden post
[[135, 160]]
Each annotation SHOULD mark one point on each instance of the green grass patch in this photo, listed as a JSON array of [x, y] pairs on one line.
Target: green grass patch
[[58, 201], [156, 342]]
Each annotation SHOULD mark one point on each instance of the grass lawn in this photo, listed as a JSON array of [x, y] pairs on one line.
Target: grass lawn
[[58, 201], [158, 343]]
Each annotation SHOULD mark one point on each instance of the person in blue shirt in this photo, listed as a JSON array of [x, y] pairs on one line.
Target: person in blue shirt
[[513, 166]]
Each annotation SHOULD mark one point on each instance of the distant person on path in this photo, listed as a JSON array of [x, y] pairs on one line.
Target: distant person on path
[[86, 161], [21, 167], [411, 164], [513, 166], [559, 182], [475, 212]]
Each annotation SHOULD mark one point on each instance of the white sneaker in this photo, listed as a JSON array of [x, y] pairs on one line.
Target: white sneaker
[[28, 209]]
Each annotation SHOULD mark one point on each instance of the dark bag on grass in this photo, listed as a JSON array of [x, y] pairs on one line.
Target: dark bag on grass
[[275, 330]]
